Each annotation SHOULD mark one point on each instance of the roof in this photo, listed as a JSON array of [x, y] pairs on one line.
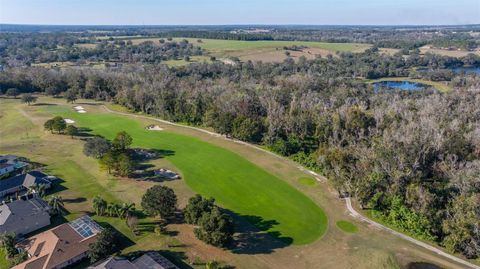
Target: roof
[[153, 260], [25, 180], [8, 158], [23, 213], [3, 165], [115, 263], [57, 246], [150, 260]]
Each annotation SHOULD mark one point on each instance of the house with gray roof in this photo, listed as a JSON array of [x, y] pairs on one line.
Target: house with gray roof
[[24, 216], [22, 183], [149, 260], [10, 164]]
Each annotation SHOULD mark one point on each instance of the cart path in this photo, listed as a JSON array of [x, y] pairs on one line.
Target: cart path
[[320, 178]]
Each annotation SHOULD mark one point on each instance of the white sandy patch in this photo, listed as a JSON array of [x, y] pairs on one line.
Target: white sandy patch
[[69, 121], [154, 128], [81, 111], [79, 108]]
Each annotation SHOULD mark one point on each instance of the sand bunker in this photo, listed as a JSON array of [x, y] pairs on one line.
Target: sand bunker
[[69, 121], [154, 128], [80, 109]]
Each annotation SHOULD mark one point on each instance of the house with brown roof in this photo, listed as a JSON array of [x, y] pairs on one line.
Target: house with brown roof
[[61, 246]]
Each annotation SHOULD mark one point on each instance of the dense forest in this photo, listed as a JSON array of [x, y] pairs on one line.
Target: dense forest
[[412, 158]]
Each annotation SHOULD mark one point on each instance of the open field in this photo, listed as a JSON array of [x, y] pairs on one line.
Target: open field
[[445, 52], [22, 133], [262, 50], [441, 86], [347, 226]]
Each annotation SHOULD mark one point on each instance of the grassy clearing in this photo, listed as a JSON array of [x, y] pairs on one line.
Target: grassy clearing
[[308, 181], [443, 87], [234, 182], [4, 263], [347, 226]]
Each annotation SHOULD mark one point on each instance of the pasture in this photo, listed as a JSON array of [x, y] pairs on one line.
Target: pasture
[[262, 50]]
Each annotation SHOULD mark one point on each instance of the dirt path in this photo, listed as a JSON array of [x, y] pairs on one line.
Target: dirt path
[[320, 178]]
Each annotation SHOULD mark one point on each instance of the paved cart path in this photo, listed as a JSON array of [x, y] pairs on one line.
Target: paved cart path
[[320, 178]]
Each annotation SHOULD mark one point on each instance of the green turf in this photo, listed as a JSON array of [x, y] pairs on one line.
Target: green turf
[[234, 182], [4, 263], [346, 226], [307, 181], [225, 45]]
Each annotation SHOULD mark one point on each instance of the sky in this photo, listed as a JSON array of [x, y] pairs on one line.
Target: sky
[[216, 12]]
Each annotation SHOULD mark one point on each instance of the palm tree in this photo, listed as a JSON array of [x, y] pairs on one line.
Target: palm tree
[[212, 265], [113, 210], [99, 205], [56, 203], [40, 189], [126, 210]]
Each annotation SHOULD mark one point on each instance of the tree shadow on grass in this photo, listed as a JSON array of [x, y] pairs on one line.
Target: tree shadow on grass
[[123, 241], [84, 132], [254, 235]]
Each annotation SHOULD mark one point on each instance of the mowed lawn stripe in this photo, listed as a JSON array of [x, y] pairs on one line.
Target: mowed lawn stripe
[[234, 182]]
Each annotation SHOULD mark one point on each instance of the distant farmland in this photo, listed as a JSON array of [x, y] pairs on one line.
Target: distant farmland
[[264, 50]]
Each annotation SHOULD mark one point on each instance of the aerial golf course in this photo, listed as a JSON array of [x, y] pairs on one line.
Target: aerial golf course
[[269, 193], [235, 183]]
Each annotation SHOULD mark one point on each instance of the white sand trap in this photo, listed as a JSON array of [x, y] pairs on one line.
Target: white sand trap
[[69, 121], [79, 108], [154, 128], [81, 111]]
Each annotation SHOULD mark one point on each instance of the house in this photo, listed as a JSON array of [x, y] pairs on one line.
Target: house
[[24, 215], [9, 164], [149, 260], [6, 168], [61, 246], [22, 183]]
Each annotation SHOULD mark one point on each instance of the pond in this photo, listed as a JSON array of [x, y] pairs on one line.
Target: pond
[[467, 70], [400, 85]]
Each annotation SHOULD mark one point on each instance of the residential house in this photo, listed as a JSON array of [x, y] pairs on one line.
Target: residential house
[[24, 215], [61, 246], [22, 183], [150, 260], [9, 164]]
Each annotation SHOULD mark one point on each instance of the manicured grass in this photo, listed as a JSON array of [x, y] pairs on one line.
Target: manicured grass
[[307, 181], [234, 182], [437, 85], [4, 263], [346, 226]]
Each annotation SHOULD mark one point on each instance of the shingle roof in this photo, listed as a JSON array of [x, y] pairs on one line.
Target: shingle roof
[[153, 260], [54, 247], [23, 213], [149, 260], [25, 180]]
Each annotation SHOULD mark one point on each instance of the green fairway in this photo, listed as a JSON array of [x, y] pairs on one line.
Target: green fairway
[[346, 226], [237, 184]]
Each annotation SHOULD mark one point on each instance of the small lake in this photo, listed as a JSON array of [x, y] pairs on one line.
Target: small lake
[[400, 85], [467, 70]]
